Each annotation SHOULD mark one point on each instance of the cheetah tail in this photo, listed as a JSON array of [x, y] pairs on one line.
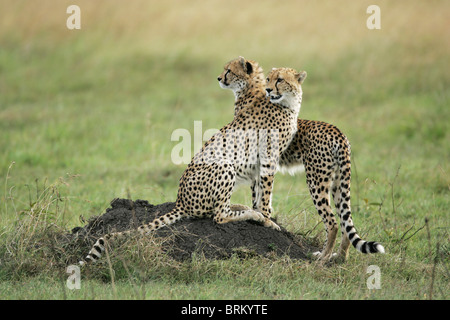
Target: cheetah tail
[[99, 247], [346, 217], [350, 230]]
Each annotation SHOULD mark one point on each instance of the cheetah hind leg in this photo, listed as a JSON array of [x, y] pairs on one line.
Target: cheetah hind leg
[[239, 212], [321, 198], [239, 207], [342, 254], [225, 214], [268, 223]]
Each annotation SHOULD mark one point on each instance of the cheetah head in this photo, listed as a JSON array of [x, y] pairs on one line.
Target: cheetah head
[[238, 73], [283, 86]]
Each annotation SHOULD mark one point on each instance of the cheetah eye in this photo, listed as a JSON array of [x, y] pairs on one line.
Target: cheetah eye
[[280, 80], [268, 80]]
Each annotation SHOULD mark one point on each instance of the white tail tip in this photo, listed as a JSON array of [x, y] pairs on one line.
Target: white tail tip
[[380, 248]]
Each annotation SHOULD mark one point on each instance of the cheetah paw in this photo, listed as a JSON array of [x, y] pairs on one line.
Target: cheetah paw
[[270, 224], [318, 255], [257, 216]]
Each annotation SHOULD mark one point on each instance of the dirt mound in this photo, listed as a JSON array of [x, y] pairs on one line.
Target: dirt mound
[[214, 241]]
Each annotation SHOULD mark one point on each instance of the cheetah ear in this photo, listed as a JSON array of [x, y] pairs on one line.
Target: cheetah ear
[[301, 76], [242, 61], [247, 66]]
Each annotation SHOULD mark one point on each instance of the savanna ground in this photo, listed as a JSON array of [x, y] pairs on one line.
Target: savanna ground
[[87, 115]]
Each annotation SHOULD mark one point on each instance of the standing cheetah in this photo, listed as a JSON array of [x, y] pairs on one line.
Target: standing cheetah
[[245, 150], [325, 152]]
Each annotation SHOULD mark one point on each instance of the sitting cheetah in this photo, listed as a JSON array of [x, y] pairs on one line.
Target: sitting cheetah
[[325, 152], [254, 91], [245, 150]]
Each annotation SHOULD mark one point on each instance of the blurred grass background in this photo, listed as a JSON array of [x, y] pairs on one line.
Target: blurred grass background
[[97, 106]]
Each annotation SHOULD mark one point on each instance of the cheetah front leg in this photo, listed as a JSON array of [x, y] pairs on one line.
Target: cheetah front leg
[[262, 199]]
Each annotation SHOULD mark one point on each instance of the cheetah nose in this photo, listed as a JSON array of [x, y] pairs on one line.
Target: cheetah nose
[[219, 78], [269, 90]]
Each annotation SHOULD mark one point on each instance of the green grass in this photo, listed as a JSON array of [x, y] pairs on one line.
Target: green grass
[[272, 279], [87, 116]]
